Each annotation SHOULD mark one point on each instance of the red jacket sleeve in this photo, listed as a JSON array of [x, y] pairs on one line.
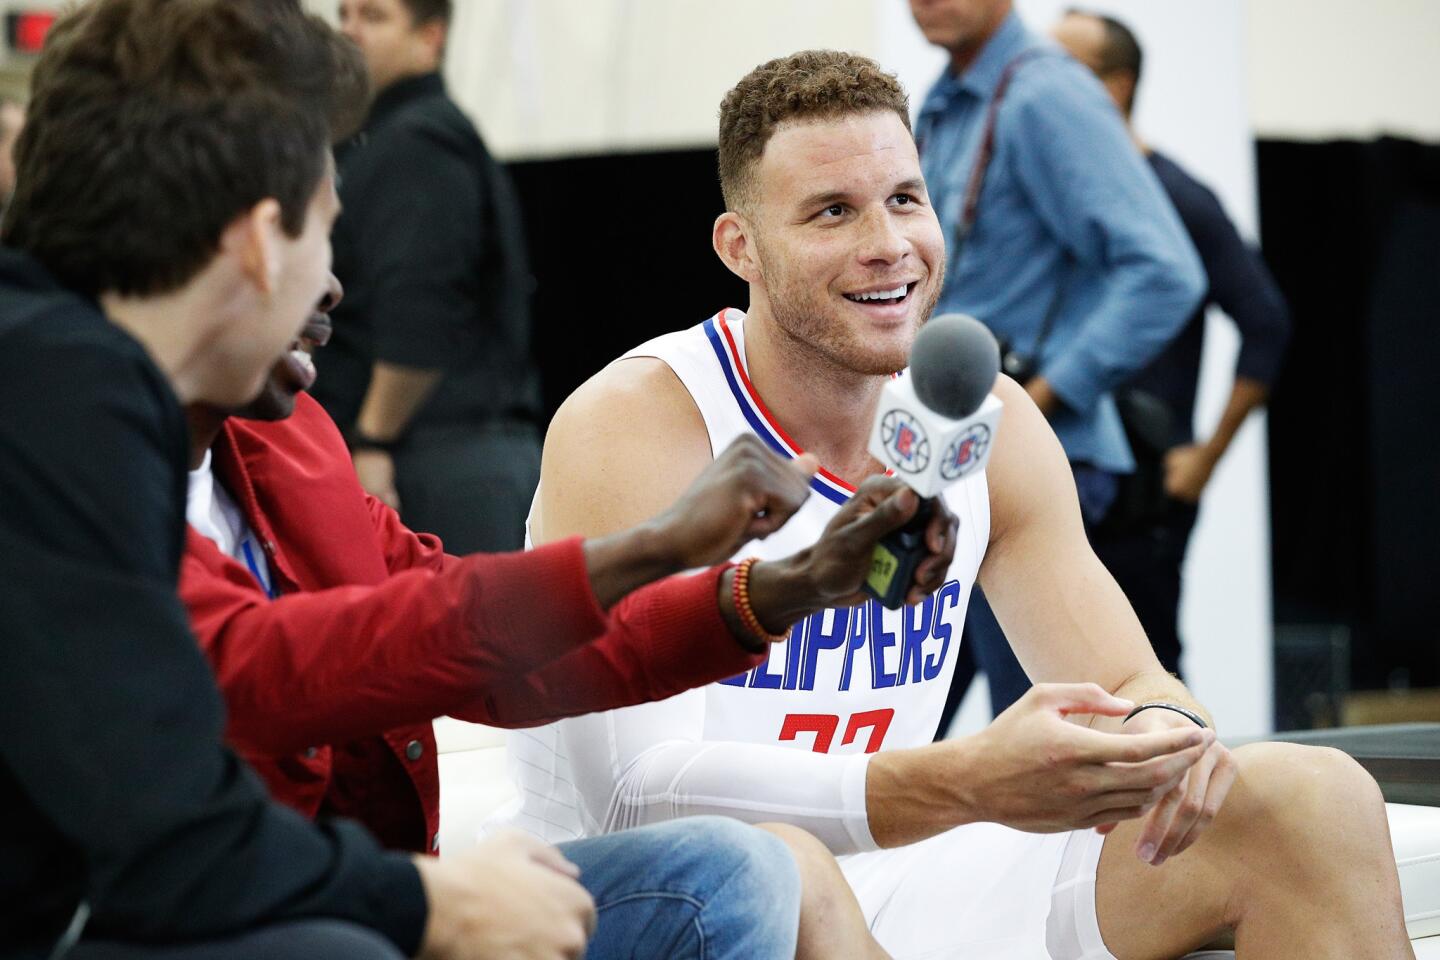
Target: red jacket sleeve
[[404, 548], [661, 640], [335, 664]]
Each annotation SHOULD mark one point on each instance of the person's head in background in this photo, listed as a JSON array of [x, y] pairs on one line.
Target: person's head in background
[[961, 27], [12, 120], [1108, 48], [176, 166], [399, 38]]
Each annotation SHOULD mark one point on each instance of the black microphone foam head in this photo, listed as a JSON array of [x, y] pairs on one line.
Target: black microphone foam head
[[953, 364]]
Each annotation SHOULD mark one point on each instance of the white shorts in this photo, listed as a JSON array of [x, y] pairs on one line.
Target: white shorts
[[983, 892]]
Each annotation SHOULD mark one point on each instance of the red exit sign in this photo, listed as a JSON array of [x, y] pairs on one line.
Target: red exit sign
[[25, 30]]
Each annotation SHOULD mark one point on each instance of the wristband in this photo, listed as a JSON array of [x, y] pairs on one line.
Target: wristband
[[356, 440], [740, 594], [1190, 715]]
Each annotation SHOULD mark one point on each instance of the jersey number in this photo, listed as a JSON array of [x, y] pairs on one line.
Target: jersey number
[[824, 725]]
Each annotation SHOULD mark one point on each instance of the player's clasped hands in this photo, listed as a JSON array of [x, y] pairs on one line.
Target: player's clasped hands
[[1042, 773], [1179, 818]]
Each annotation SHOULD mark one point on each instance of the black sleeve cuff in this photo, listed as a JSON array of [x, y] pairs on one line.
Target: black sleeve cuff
[[400, 908]]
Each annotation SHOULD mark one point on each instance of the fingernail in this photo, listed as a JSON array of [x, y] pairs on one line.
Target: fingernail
[[1157, 861], [1147, 852]]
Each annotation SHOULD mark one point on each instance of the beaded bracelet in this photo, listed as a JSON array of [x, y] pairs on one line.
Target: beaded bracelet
[[740, 594]]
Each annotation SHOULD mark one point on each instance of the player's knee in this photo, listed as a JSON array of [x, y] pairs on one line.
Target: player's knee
[[803, 845], [814, 860], [822, 883], [1279, 772], [1290, 792]]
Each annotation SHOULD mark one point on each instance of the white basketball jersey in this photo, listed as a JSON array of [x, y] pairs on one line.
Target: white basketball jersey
[[845, 681]]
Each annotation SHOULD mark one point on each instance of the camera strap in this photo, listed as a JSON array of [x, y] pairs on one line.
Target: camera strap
[[970, 211]]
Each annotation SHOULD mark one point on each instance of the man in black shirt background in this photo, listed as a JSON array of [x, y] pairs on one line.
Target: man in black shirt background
[[429, 373], [1145, 547]]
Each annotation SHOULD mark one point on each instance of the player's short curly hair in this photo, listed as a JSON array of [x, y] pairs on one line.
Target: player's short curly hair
[[809, 85]]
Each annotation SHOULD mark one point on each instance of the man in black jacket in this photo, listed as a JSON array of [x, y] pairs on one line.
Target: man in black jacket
[[429, 373], [167, 240], [155, 256]]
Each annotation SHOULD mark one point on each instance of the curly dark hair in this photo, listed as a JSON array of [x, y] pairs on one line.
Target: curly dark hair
[[809, 85], [153, 124]]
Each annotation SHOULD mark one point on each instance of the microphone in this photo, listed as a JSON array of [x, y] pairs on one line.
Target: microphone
[[934, 426]]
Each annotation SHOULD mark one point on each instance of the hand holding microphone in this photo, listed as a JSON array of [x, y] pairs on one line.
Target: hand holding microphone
[[832, 571], [934, 426]]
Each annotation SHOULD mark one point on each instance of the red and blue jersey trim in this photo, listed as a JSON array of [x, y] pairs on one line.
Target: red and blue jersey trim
[[722, 341]]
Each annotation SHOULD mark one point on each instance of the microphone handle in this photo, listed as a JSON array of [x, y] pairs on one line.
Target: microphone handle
[[899, 552]]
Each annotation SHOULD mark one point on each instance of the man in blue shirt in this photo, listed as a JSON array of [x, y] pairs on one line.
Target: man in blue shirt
[[1145, 548], [1060, 240]]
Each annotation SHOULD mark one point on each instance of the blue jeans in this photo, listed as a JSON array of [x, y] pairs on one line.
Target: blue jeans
[[704, 887]]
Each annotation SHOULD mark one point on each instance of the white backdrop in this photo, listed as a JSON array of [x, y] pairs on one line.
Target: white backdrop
[[567, 76], [556, 77], [1336, 69], [1191, 106]]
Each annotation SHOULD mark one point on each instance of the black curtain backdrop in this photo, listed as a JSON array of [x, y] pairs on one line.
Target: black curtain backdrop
[[620, 247], [1352, 232]]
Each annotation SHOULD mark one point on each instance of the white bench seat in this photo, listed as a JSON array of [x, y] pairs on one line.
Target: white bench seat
[[474, 784]]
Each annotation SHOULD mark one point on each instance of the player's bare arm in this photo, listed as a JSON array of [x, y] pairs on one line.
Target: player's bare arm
[[635, 411], [1085, 630]]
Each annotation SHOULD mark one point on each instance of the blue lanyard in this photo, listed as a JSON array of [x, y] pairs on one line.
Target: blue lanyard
[[250, 562]]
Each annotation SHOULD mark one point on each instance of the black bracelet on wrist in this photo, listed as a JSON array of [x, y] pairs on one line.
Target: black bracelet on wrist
[[1189, 714], [356, 440]]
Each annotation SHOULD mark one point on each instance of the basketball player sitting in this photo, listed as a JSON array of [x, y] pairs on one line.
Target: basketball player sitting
[[1064, 830]]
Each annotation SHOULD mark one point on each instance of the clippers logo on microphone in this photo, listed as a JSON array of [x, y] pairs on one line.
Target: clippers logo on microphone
[[966, 452], [936, 427], [906, 445]]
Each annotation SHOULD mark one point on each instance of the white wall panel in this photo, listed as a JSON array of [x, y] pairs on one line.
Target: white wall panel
[[1336, 69], [547, 77]]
